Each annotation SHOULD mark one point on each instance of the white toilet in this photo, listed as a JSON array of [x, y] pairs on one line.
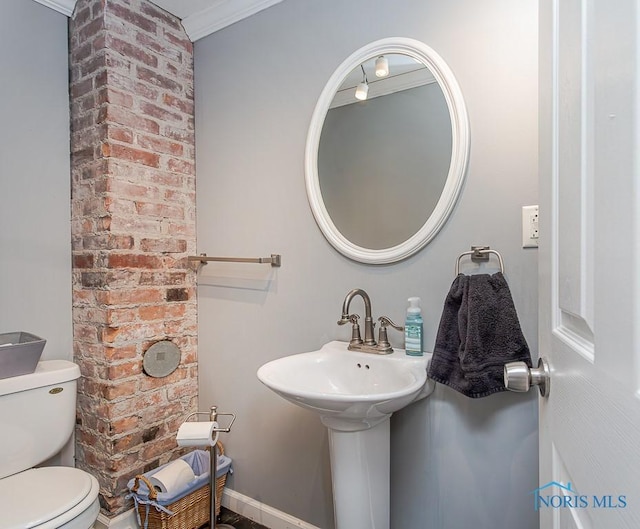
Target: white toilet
[[37, 417]]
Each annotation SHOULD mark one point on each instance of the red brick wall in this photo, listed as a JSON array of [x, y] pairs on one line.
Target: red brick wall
[[133, 225]]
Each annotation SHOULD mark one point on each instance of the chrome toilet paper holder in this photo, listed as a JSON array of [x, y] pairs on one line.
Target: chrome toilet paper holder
[[213, 415]]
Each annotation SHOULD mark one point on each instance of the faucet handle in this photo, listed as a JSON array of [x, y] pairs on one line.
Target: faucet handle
[[356, 339], [348, 318], [383, 340], [384, 321]]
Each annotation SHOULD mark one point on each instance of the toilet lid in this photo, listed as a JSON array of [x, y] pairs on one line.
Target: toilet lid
[[35, 496]]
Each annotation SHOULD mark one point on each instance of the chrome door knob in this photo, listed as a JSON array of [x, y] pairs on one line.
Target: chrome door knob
[[519, 377]]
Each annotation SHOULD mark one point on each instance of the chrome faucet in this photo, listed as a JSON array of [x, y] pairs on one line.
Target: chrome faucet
[[368, 320], [368, 345]]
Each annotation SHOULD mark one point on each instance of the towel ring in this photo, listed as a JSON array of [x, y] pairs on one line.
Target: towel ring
[[479, 254]]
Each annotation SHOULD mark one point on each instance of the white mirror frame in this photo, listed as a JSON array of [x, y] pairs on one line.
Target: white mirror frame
[[459, 150]]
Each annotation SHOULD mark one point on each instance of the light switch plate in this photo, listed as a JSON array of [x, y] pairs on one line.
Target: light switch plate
[[530, 230]]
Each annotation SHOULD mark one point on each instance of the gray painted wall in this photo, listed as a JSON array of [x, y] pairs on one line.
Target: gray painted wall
[[35, 236], [456, 462]]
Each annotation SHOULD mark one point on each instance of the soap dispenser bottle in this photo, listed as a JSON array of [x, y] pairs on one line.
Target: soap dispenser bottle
[[413, 340]]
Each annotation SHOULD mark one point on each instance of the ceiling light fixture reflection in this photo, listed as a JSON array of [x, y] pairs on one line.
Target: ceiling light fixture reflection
[[382, 66], [363, 88]]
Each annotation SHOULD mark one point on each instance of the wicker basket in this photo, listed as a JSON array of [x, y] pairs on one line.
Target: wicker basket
[[189, 512]]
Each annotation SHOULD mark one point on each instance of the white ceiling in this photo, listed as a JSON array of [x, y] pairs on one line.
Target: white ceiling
[[187, 8], [199, 17]]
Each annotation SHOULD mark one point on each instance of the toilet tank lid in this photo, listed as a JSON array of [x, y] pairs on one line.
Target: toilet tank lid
[[47, 373]]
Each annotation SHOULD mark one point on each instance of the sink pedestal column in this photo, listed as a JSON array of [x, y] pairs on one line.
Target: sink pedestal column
[[360, 474]]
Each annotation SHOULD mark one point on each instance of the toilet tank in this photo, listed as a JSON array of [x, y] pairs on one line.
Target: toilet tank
[[37, 414]]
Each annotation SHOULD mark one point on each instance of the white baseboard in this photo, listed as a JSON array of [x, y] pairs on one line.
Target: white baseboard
[[232, 500], [125, 520], [261, 513]]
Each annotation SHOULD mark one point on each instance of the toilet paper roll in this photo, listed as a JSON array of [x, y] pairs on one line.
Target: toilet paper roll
[[173, 477], [197, 434]]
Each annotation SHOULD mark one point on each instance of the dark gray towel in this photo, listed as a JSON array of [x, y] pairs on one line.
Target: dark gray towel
[[479, 332]]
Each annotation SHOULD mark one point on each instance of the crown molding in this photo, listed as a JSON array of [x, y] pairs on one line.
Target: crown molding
[[197, 25], [61, 6], [222, 14]]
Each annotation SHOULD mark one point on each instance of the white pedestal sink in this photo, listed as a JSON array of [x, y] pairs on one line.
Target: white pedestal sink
[[355, 394]]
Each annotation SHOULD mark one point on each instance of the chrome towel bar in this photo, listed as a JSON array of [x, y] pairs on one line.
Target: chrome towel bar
[[480, 254], [273, 260]]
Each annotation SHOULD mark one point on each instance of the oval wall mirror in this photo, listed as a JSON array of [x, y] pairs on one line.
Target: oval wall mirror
[[384, 168]]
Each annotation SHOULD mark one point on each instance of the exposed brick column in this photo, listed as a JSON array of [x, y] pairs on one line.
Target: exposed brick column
[[133, 224]]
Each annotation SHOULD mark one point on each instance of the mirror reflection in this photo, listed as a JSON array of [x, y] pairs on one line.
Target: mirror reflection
[[384, 157]]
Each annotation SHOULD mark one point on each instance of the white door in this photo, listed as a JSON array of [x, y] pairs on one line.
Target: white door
[[590, 264]]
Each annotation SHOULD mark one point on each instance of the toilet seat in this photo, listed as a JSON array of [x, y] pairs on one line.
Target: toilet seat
[[46, 498]]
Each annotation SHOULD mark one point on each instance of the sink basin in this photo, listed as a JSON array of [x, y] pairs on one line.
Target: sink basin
[[351, 390]]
